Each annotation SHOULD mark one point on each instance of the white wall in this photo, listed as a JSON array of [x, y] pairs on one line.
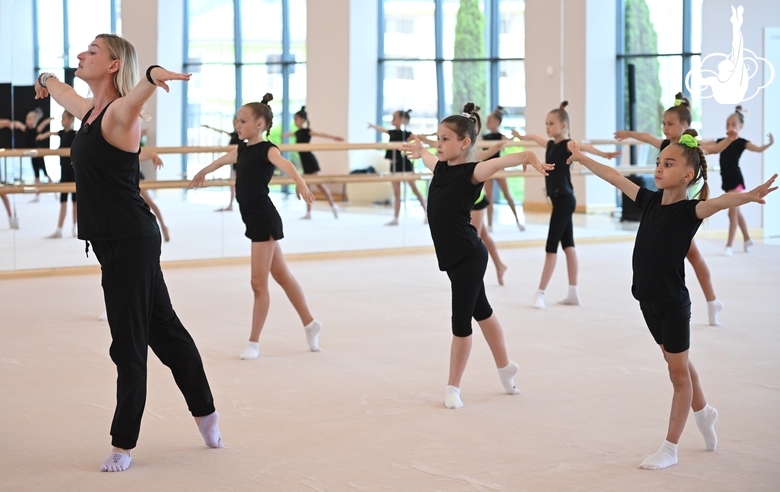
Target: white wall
[[716, 38]]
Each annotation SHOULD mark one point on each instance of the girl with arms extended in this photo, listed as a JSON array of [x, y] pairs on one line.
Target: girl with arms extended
[[676, 120], [308, 161], [66, 135], [399, 163], [561, 193], [255, 159], [125, 237], [492, 123], [669, 222], [731, 176], [456, 185]]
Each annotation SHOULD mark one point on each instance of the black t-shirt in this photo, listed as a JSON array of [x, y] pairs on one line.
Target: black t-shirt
[[66, 140], [234, 140], [303, 135], [493, 136], [729, 164], [451, 197], [662, 242], [110, 203], [397, 136], [664, 144], [253, 173], [558, 180]]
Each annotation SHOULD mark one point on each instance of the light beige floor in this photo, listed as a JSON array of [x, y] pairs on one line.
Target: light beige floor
[[367, 413]]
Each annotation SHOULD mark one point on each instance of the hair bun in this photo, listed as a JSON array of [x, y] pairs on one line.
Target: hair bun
[[470, 108], [563, 105], [268, 98], [691, 132], [739, 109], [500, 109], [303, 109]]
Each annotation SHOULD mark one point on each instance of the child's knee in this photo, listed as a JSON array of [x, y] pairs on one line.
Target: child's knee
[[461, 330]]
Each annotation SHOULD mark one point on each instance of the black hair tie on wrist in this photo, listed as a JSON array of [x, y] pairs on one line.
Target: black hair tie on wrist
[[149, 74]]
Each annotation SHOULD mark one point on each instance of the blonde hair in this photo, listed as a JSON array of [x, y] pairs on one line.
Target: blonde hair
[[126, 78]]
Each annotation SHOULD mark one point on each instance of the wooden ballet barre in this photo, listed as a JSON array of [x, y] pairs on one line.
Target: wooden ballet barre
[[290, 148], [319, 179]]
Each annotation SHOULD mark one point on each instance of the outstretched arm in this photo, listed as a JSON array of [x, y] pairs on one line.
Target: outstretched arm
[[541, 141], [414, 150], [129, 107], [216, 129], [593, 150], [755, 148], [718, 147], [43, 124], [378, 128], [65, 96], [709, 208], [486, 169], [325, 135], [608, 174], [45, 135], [490, 151], [287, 167], [229, 158], [641, 136]]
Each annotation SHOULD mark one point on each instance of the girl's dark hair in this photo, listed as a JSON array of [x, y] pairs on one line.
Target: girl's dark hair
[[498, 114], [694, 156], [562, 114], [405, 115], [468, 124], [302, 114], [740, 113], [263, 110], [682, 108]]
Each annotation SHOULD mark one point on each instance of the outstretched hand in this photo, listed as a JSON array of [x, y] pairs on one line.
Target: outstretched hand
[[531, 159], [576, 153], [731, 135], [757, 194], [302, 191], [619, 135], [161, 76], [413, 149], [198, 180], [771, 139], [611, 155], [41, 92]]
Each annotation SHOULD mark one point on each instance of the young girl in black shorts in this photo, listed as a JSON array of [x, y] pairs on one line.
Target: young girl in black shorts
[[67, 175], [561, 193], [308, 162], [731, 176], [399, 163], [669, 222], [492, 123], [456, 185], [255, 159]]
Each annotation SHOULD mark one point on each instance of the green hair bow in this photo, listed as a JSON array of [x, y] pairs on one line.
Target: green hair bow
[[689, 140], [677, 102]]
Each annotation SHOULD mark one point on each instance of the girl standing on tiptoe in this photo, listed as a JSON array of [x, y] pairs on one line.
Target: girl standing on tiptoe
[[456, 185], [669, 222], [492, 123], [561, 194], [309, 163], [399, 163], [256, 159], [731, 176], [676, 120]]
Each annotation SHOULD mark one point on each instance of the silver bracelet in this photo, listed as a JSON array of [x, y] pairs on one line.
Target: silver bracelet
[[44, 76]]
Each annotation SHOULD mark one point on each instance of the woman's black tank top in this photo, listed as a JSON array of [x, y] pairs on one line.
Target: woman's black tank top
[[110, 202]]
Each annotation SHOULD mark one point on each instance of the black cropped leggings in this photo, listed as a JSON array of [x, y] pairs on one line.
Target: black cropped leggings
[[140, 315], [561, 227], [468, 291]]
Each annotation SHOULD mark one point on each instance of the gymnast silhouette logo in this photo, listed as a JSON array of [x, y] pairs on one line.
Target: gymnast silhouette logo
[[731, 83]]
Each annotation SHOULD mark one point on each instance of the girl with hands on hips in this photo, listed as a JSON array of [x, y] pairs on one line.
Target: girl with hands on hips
[[255, 159]]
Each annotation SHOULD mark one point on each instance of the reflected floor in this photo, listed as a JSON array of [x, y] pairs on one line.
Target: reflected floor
[[198, 232]]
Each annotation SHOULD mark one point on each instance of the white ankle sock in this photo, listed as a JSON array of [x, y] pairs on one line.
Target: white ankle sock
[[452, 397], [507, 376], [729, 251], [573, 299], [539, 299], [116, 462], [210, 431], [749, 245], [713, 310], [313, 330], [663, 458], [336, 211], [705, 421], [252, 351]]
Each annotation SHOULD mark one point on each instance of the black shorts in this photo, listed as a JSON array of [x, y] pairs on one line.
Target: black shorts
[[309, 163], [669, 323], [262, 227], [482, 204], [38, 165], [401, 166]]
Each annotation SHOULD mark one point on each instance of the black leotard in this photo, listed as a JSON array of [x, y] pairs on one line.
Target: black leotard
[[398, 162], [253, 173], [493, 136], [308, 161], [558, 180], [730, 172]]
